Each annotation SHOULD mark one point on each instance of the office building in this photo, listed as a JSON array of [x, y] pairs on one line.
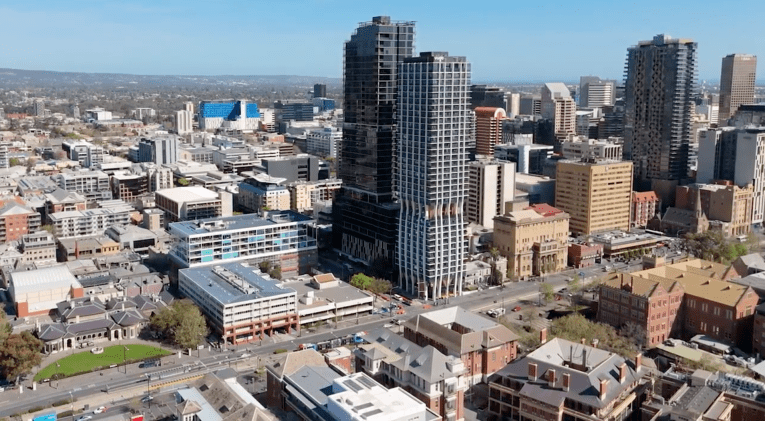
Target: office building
[[596, 193], [323, 104], [513, 104], [283, 238], [579, 148], [161, 150], [680, 300], [595, 92], [86, 153], [237, 115], [324, 142], [534, 240], [364, 212], [644, 206], [558, 107], [263, 192], [488, 129], [483, 345], [736, 84], [302, 167], [286, 111], [319, 90], [660, 88], [736, 155], [305, 194], [192, 203], [4, 159], [563, 380], [531, 105], [183, 122], [72, 224], [528, 158], [486, 96], [94, 185], [491, 185], [432, 156], [437, 380], [17, 220], [36, 292], [38, 108], [241, 304]]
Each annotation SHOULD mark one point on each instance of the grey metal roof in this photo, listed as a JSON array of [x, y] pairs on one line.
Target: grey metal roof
[[51, 332], [584, 385], [250, 284], [314, 383], [426, 363], [92, 325], [129, 317]]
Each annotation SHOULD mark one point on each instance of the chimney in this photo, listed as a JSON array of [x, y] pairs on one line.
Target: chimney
[[595, 342], [532, 372], [638, 361], [603, 388], [584, 341], [551, 377], [566, 382], [622, 372], [543, 335], [77, 318], [584, 359]]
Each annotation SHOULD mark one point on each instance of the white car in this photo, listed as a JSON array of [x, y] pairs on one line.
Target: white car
[[99, 410], [85, 418], [396, 297]]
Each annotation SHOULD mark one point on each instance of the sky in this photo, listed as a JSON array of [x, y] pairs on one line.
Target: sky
[[506, 41]]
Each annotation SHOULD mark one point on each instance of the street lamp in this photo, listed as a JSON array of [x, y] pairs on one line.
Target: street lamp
[[57, 368], [124, 357], [71, 402]]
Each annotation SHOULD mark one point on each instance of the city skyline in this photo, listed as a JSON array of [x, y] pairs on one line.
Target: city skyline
[[304, 38]]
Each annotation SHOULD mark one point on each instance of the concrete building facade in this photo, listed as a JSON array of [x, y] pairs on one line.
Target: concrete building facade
[[488, 129], [491, 185], [736, 83], [558, 107]]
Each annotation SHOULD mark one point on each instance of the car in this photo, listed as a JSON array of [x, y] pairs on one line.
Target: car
[[396, 297], [517, 309], [85, 418], [148, 364], [147, 398], [99, 410], [397, 322]]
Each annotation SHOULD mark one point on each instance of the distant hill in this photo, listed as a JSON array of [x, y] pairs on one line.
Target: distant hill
[[42, 78]]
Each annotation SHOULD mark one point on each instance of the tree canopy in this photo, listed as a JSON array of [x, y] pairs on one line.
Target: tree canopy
[[182, 323], [547, 291], [19, 354], [575, 326], [712, 245], [371, 284], [5, 328]]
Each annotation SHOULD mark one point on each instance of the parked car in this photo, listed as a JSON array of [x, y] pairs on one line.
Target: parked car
[[85, 418], [147, 398], [517, 309], [396, 297], [148, 364], [99, 410]]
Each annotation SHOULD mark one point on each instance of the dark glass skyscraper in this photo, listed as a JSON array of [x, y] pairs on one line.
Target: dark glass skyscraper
[[660, 88], [365, 212]]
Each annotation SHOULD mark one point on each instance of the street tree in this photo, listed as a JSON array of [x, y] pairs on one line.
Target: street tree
[[712, 245], [276, 272], [265, 266], [547, 291], [362, 281], [19, 354], [182, 324], [5, 328]]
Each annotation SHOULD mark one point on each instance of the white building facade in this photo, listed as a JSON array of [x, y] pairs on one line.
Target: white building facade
[[433, 124]]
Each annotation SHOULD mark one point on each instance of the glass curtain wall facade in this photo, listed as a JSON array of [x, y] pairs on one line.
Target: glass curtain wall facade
[[364, 212], [433, 128]]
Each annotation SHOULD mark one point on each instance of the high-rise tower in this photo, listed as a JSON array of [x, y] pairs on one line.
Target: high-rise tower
[[433, 116], [736, 84], [364, 212], [660, 87]]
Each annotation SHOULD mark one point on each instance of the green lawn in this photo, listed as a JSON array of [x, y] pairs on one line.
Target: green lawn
[[84, 362]]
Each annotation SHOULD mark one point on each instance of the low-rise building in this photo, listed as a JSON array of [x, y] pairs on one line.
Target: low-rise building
[[304, 194], [323, 298], [680, 300], [218, 397], [36, 292], [61, 200], [17, 220], [432, 377], [283, 238], [241, 304], [563, 380], [263, 192], [484, 346], [534, 240], [72, 224], [94, 185], [582, 255], [192, 203], [86, 247]]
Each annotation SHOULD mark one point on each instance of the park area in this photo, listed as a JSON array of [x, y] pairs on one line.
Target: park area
[[85, 362]]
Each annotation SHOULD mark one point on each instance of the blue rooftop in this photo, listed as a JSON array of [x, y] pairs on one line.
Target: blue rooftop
[[238, 222]]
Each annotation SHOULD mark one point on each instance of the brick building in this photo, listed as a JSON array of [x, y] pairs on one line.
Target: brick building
[[758, 332], [680, 300], [484, 346], [581, 255], [644, 207], [17, 221]]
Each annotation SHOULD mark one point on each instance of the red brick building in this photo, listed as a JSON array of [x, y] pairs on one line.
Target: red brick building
[[583, 255], [681, 300], [16, 221], [484, 346], [644, 206]]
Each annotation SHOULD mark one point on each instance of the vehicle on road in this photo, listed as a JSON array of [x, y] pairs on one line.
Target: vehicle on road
[[396, 297], [397, 322], [496, 312], [85, 418], [99, 410], [517, 309], [147, 398], [149, 364]]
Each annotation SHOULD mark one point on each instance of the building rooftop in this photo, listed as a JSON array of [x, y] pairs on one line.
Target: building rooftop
[[558, 90], [188, 194], [237, 222], [235, 282], [43, 279]]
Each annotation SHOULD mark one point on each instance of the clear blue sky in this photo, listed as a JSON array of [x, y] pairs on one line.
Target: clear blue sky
[[505, 40]]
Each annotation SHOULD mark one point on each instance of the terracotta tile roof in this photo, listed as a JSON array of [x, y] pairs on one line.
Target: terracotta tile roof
[[545, 210], [647, 196]]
